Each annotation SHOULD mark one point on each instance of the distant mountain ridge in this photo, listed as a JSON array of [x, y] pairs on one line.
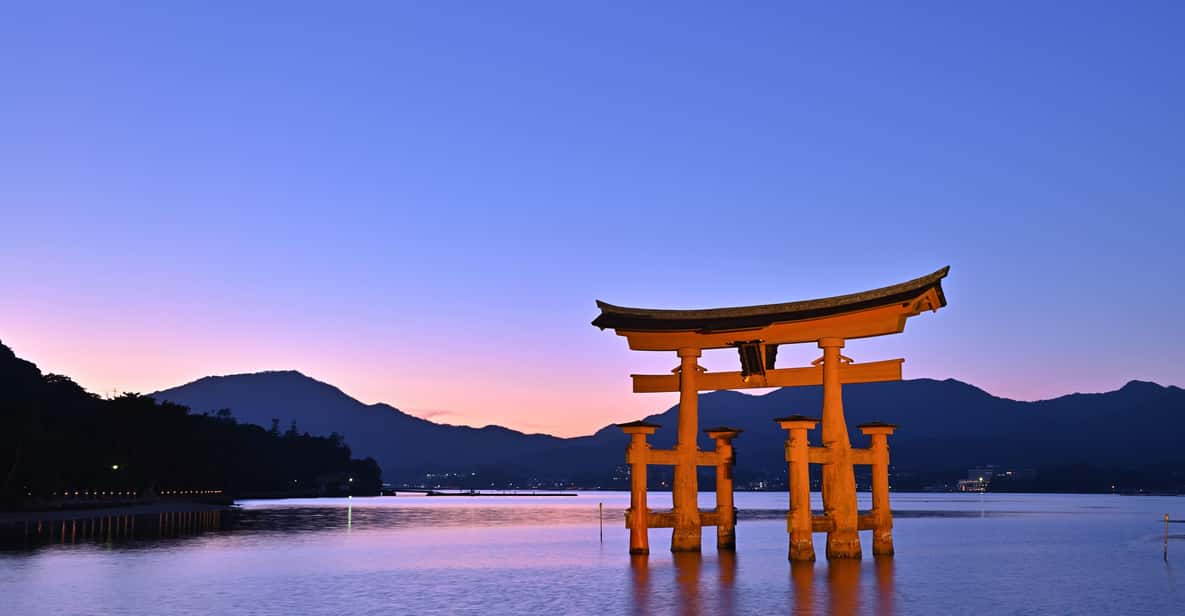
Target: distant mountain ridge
[[403, 444], [942, 425]]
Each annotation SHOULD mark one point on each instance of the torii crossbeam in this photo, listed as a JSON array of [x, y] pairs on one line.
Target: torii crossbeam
[[756, 332]]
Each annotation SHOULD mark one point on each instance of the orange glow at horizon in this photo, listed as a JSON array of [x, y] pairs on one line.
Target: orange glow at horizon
[[490, 381]]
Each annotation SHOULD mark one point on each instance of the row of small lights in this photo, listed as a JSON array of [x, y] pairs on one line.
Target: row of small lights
[[115, 467], [95, 493], [129, 492]]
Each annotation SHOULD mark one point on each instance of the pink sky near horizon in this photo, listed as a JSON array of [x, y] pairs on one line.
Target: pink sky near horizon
[[524, 388]]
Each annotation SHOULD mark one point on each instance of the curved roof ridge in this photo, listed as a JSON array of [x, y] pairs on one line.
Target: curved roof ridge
[[623, 317]]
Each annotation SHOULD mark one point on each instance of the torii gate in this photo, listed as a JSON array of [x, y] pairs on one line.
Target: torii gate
[[756, 332]]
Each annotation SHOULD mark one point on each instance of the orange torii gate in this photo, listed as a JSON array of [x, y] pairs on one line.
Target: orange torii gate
[[756, 332]]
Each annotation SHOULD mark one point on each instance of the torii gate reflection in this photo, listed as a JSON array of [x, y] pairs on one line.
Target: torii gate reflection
[[706, 586], [756, 332]]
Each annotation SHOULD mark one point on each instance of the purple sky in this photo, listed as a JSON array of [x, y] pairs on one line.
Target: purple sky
[[418, 202]]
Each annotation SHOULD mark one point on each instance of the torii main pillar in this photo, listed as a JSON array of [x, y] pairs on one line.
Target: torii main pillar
[[839, 478], [685, 491]]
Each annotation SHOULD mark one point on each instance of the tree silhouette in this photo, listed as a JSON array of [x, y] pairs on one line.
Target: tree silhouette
[[56, 437]]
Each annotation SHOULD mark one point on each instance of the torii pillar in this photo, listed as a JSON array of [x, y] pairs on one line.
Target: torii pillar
[[882, 515], [726, 519], [637, 456], [839, 479], [799, 522], [685, 490]]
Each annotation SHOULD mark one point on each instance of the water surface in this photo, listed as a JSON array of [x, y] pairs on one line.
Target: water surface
[[989, 554]]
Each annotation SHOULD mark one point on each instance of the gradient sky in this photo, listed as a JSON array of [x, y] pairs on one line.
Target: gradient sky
[[419, 202]]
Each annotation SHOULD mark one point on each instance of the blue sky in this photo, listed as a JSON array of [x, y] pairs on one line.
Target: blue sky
[[420, 201]]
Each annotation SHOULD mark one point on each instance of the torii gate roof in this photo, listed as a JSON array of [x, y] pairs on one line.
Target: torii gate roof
[[657, 329]]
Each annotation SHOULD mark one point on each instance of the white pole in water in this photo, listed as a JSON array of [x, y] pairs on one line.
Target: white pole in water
[[601, 519]]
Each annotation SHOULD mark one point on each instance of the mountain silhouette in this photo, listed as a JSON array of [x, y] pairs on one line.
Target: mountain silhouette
[[403, 445], [951, 425], [942, 425], [57, 439]]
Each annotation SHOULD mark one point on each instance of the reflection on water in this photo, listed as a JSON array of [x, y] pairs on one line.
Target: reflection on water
[[884, 586], [640, 564], [802, 574], [996, 554], [366, 517], [100, 527], [842, 585], [290, 519], [687, 572], [727, 561], [111, 529]]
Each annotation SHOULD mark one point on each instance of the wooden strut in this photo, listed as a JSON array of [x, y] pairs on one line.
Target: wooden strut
[[869, 372]]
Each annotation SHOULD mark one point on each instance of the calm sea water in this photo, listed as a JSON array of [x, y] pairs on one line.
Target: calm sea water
[[956, 554]]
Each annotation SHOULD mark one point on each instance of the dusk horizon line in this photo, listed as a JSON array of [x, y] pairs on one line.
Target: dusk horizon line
[[757, 393]]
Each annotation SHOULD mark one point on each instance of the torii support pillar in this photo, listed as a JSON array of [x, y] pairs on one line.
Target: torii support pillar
[[839, 479], [685, 491], [726, 519], [882, 515], [638, 456], [798, 522]]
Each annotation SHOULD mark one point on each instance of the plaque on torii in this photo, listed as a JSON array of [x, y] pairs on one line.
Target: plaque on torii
[[756, 333]]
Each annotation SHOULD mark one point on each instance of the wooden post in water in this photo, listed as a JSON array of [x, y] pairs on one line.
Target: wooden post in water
[[882, 515], [685, 489], [638, 456], [601, 519], [839, 480], [799, 523], [726, 522], [1166, 537]]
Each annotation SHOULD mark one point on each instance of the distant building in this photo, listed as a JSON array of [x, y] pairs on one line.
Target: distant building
[[982, 473], [978, 479], [973, 485]]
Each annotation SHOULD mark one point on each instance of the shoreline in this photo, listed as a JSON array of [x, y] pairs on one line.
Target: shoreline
[[56, 515], [18, 516]]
